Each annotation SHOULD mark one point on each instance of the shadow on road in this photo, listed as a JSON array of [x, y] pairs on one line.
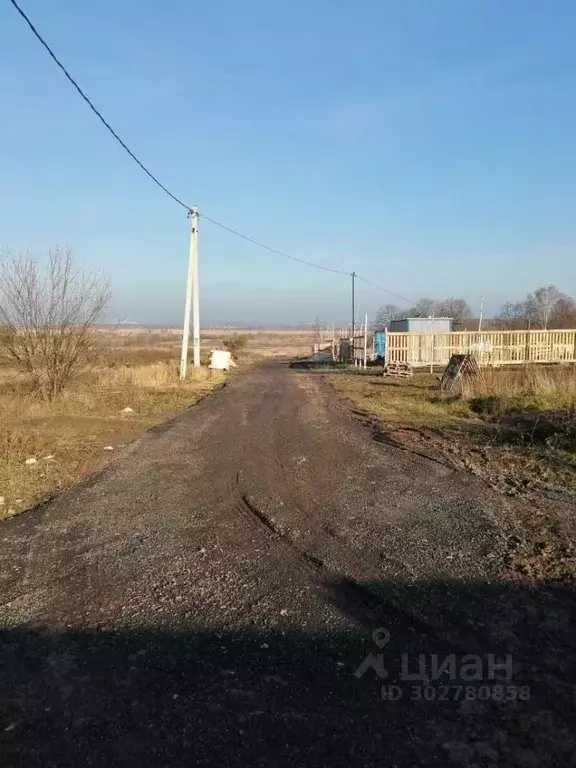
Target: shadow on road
[[296, 697]]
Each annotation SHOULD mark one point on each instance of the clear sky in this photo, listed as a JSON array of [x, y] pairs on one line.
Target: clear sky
[[427, 144]]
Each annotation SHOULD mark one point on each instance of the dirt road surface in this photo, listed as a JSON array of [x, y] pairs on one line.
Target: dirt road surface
[[259, 582]]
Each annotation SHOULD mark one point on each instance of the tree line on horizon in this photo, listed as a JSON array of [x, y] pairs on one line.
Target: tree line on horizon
[[545, 307]]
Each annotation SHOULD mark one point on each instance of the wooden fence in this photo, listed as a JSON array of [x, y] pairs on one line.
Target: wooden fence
[[490, 347]]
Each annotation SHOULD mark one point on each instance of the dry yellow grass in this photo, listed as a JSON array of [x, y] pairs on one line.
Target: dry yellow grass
[[154, 344], [262, 343], [75, 429], [532, 388]]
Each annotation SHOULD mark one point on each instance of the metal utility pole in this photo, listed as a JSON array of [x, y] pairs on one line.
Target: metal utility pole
[[481, 314], [192, 299]]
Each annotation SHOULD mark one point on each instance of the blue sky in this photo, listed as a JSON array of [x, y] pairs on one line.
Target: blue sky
[[427, 144]]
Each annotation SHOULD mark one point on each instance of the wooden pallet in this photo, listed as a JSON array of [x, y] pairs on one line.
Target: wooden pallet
[[401, 370]]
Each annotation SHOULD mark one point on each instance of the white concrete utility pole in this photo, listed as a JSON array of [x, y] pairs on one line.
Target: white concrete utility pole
[[195, 292], [365, 340], [192, 299]]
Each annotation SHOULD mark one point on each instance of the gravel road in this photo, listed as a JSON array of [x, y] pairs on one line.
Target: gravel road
[[257, 582]]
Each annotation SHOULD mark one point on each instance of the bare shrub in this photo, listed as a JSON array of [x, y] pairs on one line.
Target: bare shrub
[[235, 343], [47, 317]]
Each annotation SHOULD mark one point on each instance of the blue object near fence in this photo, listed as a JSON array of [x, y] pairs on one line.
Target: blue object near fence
[[379, 344]]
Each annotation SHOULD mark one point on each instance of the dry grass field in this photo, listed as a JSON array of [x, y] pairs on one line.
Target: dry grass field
[[146, 345], [86, 425], [263, 343]]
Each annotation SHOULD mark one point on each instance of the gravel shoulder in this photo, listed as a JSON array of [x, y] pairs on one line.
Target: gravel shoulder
[[208, 599]]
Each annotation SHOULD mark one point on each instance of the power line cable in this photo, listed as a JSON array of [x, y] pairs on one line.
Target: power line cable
[[381, 288], [93, 108], [141, 164], [159, 183], [273, 250]]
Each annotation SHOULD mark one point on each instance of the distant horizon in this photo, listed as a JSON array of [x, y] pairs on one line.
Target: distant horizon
[[254, 326]]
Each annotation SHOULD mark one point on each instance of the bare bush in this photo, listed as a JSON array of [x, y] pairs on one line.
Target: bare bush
[[236, 343], [47, 316]]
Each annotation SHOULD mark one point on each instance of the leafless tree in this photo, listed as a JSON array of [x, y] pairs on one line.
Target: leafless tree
[[47, 316], [565, 314], [513, 315], [457, 309], [547, 305], [423, 308], [385, 314]]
